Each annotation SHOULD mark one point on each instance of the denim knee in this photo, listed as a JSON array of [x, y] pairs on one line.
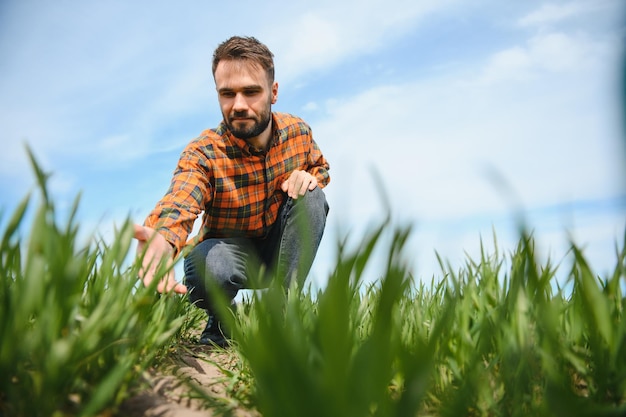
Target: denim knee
[[316, 201], [195, 271], [221, 262]]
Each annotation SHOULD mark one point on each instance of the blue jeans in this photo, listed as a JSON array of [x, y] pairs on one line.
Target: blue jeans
[[287, 252]]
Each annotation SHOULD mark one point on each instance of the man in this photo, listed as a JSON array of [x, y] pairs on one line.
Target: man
[[257, 179]]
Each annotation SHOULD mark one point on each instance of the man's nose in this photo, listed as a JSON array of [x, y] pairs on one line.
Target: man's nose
[[240, 103]]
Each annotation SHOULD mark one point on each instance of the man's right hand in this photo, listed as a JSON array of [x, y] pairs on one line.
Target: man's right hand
[[157, 249]]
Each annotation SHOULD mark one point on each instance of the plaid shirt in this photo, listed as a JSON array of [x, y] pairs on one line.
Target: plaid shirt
[[236, 187]]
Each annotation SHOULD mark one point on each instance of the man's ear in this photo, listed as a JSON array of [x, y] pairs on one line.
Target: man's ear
[[274, 92]]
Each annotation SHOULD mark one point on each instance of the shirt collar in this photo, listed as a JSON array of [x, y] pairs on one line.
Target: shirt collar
[[245, 147]]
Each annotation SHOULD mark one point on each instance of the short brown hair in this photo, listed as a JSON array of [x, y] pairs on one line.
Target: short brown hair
[[242, 48]]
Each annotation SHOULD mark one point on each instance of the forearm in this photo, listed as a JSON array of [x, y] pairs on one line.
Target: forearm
[[172, 223], [319, 168], [175, 214], [318, 165]]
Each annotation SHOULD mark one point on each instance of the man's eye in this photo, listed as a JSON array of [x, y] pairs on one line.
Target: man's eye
[[251, 93], [227, 94]]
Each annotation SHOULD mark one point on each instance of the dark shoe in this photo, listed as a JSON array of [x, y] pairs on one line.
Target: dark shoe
[[214, 334]]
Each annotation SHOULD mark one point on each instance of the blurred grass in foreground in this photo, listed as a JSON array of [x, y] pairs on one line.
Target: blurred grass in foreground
[[483, 341], [75, 327]]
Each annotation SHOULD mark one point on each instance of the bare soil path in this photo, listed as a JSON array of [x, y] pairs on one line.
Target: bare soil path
[[193, 385]]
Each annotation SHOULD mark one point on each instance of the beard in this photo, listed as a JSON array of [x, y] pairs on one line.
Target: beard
[[245, 132]]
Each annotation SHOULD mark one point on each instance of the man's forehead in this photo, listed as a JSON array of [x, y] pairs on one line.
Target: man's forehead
[[231, 69]]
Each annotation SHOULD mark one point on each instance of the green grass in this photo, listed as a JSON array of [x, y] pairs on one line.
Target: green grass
[[496, 337], [487, 340], [75, 327]]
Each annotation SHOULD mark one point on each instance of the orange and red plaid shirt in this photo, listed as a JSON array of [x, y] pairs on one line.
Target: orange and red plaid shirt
[[237, 188]]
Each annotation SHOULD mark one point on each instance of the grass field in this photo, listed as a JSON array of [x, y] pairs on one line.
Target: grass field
[[494, 338]]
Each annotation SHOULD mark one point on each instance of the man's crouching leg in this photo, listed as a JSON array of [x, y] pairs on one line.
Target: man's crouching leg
[[302, 223], [216, 264]]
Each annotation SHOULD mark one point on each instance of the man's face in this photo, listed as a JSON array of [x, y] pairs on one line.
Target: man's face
[[245, 96]]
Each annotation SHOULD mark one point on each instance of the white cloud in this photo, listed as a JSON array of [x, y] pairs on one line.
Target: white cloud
[[310, 106], [511, 64], [551, 51], [320, 36], [439, 141], [560, 52], [554, 13], [539, 114]]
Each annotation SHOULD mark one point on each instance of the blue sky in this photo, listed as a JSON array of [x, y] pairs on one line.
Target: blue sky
[[466, 111]]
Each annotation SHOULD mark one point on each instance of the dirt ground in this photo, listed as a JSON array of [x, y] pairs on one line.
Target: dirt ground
[[169, 391]]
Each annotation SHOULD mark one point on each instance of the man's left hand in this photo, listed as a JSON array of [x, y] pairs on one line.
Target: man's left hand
[[298, 183]]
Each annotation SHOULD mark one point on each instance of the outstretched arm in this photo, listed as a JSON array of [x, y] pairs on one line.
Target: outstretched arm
[[156, 249]]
